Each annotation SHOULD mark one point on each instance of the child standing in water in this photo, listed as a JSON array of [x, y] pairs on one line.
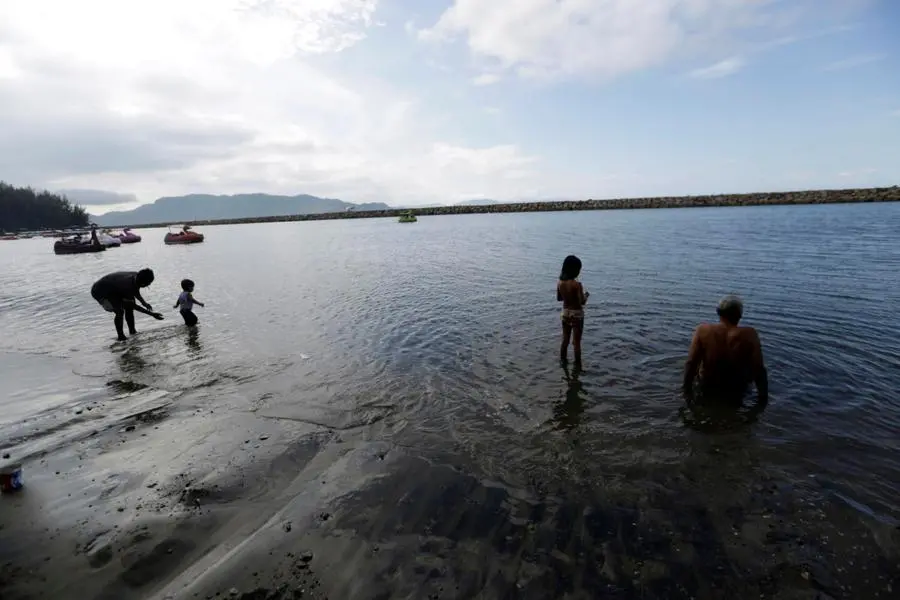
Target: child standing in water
[[186, 302], [571, 293]]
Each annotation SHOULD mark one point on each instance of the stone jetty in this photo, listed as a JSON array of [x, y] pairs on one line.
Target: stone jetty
[[846, 196]]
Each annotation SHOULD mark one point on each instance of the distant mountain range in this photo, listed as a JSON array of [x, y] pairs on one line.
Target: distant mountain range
[[202, 207]]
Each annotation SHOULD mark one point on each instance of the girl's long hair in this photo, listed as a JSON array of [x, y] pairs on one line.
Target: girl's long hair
[[571, 268]]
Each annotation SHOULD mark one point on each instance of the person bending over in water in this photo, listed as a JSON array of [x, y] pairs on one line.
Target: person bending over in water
[[727, 357], [117, 293], [571, 293], [186, 301]]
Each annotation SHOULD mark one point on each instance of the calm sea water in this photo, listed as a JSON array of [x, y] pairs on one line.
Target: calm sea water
[[440, 340]]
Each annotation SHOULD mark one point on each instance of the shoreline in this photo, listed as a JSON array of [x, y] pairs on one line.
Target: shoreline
[[843, 196], [157, 495]]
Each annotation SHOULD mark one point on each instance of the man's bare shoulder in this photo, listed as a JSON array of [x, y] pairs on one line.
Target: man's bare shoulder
[[748, 332], [704, 329]]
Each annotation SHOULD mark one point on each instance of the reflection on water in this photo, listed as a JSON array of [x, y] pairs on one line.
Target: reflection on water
[[193, 341], [568, 413], [713, 420], [131, 362], [711, 417]]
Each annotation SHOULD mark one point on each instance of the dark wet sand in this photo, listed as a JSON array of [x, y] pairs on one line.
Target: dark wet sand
[[188, 500]]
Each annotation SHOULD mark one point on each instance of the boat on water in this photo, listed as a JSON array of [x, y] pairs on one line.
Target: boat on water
[[9, 237], [127, 236], [185, 236], [108, 240], [76, 245], [407, 217]]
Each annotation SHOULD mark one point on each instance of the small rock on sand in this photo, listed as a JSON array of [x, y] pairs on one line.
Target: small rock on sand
[[306, 557]]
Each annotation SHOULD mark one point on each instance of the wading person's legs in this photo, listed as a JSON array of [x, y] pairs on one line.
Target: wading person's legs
[[120, 314], [566, 336], [577, 330], [129, 319]]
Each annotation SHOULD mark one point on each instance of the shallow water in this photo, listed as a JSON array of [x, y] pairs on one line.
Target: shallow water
[[411, 369]]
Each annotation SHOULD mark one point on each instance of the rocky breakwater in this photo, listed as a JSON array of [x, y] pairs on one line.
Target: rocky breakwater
[[848, 196]]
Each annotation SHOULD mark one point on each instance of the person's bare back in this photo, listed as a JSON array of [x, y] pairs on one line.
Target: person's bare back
[[571, 294], [727, 357]]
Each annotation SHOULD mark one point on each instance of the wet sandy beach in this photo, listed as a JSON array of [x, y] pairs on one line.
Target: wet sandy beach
[[191, 497], [356, 442]]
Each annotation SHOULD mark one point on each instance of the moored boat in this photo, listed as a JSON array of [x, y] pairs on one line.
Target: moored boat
[[407, 217], [127, 236], [185, 236], [109, 240], [76, 245]]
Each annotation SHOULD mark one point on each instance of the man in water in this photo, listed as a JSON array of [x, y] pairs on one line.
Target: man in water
[[117, 293], [727, 358]]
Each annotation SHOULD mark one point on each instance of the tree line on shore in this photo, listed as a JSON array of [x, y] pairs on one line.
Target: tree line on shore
[[27, 209]]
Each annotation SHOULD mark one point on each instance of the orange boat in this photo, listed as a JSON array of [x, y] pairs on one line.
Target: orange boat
[[185, 236]]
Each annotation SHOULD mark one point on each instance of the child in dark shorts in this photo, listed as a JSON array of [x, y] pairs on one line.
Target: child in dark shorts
[[186, 302]]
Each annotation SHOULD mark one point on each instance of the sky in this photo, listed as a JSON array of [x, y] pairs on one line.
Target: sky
[[439, 101]]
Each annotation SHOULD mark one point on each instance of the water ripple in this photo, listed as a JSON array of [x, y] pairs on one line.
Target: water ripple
[[442, 338]]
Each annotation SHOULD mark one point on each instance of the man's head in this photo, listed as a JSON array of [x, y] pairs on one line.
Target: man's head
[[144, 277], [730, 309]]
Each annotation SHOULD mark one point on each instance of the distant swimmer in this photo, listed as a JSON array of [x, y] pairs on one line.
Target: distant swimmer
[[118, 293], [571, 293], [186, 302], [727, 357]]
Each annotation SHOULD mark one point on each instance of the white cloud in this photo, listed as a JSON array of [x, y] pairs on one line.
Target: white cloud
[[853, 62], [486, 79], [229, 96], [857, 173], [98, 197], [723, 68], [219, 96], [598, 39]]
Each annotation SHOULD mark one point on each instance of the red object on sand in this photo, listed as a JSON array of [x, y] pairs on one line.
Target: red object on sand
[[11, 478]]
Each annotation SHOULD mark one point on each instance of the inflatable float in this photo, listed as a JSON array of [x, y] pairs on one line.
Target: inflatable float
[[109, 240], [128, 237], [76, 245], [185, 236]]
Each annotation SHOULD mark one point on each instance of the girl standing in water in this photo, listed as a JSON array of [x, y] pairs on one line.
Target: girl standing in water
[[571, 293]]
